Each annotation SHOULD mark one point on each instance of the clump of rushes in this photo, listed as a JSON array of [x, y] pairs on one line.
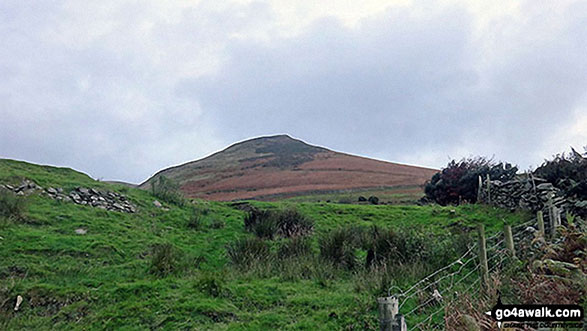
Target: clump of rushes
[[165, 259], [293, 248], [286, 223], [12, 206], [247, 251], [339, 248]]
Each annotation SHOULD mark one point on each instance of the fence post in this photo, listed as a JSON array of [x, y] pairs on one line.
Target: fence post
[[479, 189], [483, 256], [388, 308], [509, 239], [557, 217], [551, 215], [488, 189], [540, 218]]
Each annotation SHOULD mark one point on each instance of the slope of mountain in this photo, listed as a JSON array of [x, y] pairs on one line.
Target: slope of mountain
[[280, 166]]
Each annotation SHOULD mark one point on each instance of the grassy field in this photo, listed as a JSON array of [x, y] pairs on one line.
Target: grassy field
[[111, 276], [392, 195]]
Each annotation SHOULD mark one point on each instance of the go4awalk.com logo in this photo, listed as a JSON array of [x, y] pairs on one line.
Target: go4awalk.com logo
[[537, 316]]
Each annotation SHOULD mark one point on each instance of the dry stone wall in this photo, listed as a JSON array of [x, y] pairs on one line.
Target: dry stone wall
[[529, 193], [106, 200]]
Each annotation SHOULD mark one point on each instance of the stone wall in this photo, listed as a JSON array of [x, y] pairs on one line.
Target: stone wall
[[529, 193], [106, 200]]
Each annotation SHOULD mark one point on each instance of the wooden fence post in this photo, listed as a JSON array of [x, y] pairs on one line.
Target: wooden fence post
[[483, 257], [388, 308], [551, 215], [509, 239], [479, 190], [540, 218], [488, 189], [557, 217]]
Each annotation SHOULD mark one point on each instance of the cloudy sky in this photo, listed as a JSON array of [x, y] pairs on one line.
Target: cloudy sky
[[120, 89]]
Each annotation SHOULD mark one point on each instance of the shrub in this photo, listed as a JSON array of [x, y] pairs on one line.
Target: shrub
[[569, 174], [12, 206], [373, 200], [458, 181], [339, 248], [165, 259], [296, 247], [246, 251], [167, 190], [286, 223]]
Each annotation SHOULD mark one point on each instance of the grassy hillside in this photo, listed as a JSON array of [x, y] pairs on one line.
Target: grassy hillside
[[168, 267]]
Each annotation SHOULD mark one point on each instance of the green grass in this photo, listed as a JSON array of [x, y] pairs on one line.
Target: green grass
[[392, 195], [104, 279]]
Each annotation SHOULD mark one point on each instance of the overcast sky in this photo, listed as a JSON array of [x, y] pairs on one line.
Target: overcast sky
[[120, 89]]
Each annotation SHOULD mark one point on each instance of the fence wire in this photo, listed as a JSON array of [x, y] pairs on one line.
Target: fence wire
[[435, 289]]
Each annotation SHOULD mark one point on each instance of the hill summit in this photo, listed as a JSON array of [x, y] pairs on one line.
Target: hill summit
[[279, 166]]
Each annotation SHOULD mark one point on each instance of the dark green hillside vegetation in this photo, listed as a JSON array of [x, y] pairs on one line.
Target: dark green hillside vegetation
[[202, 265]]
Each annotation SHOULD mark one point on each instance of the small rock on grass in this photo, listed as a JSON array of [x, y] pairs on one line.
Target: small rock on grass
[[81, 231]]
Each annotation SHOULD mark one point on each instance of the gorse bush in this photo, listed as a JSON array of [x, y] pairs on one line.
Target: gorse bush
[[12, 206], [286, 223], [247, 251], [459, 180], [167, 190], [165, 259]]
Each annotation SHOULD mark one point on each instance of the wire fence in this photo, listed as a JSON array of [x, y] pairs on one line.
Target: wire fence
[[431, 295]]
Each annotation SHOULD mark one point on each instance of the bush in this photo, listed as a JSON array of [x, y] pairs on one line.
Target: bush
[[569, 174], [296, 247], [167, 190], [459, 181], [286, 223], [339, 248], [373, 200], [165, 259], [247, 251], [12, 206], [572, 166]]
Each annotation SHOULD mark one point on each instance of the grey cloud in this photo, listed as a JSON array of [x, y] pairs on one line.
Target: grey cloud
[[123, 93], [402, 84]]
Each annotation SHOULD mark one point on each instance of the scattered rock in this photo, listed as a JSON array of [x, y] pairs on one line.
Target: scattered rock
[[81, 231], [18, 303], [80, 195]]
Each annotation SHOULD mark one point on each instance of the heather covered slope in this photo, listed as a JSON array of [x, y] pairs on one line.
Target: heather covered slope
[[273, 167]]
